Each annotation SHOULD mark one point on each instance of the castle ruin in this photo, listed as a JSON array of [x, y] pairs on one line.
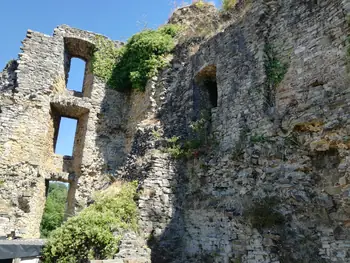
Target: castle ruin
[[275, 82]]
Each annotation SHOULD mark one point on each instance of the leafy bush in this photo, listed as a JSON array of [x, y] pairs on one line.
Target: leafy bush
[[54, 208], [133, 64], [228, 4], [89, 235]]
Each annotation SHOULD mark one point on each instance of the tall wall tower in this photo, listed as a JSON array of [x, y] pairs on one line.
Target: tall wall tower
[[33, 99]]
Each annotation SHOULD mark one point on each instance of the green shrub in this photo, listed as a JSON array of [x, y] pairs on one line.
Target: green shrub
[[54, 208], [228, 4], [136, 62], [89, 235]]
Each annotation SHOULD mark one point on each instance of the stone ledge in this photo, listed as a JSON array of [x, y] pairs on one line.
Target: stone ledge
[[70, 106]]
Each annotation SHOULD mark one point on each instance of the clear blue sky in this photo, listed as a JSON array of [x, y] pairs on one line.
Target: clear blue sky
[[116, 19]]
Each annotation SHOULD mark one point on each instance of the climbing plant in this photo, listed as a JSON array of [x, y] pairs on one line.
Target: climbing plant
[[274, 68], [130, 66], [89, 235], [275, 71], [200, 141]]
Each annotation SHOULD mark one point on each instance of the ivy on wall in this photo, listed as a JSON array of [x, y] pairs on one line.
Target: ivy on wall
[[130, 66], [275, 71]]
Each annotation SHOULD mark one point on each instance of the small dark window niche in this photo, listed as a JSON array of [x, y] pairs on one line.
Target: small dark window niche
[[206, 82]]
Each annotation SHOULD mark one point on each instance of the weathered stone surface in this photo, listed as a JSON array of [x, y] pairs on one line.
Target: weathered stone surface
[[283, 149], [33, 98]]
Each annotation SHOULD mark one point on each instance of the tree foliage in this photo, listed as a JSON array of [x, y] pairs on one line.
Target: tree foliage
[[54, 208], [89, 235], [133, 64]]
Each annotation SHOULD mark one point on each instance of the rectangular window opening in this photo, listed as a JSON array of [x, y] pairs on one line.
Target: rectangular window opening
[[212, 89], [76, 75], [55, 207], [206, 81], [66, 136]]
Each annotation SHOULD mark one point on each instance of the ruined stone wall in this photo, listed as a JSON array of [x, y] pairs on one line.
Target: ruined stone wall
[[33, 99], [270, 185], [279, 150]]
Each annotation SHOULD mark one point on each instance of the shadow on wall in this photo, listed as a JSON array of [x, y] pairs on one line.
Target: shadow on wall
[[110, 130], [168, 247], [8, 79], [215, 94]]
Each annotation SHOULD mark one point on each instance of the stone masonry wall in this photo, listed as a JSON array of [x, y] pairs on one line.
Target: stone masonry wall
[[275, 150], [264, 150], [270, 183], [33, 98]]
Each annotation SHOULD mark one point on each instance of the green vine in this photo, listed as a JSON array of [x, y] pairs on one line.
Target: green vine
[[275, 71], [200, 143], [274, 68], [89, 235], [130, 66]]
